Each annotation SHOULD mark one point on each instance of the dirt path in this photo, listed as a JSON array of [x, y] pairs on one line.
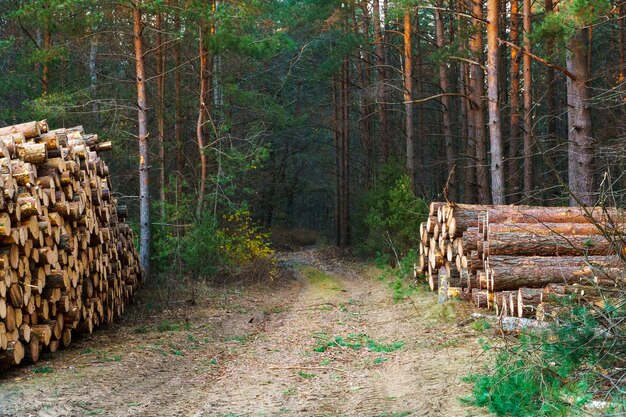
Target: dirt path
[[328, 342]]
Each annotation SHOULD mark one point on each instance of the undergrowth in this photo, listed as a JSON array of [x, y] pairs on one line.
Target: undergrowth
[[400, 278], [561, 370], [357, 341]]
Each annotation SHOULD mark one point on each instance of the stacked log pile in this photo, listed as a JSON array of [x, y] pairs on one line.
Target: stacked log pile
[[515, 259], [67, 260]]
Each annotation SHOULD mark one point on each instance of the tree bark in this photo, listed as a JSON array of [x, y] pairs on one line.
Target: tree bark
[[178, 119], [622, 43], [495, 127], [144, 189], [47, 45], [337, 108], [550, 87], [93, 74], [478, 110], [160, 69], [470, 144], [580, 148], [202, 113], [444, 84], [514, 128], [408, 99], [528, 244], [528, 102], [512, 272], [366, 104], [381, 87], [345, 156]]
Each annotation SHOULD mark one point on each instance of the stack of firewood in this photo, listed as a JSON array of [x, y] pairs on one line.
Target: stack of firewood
[[515, 259], [67, 259]]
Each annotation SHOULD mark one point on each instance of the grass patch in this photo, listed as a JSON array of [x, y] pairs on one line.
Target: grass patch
[[306, 375], [108, 357], [480, 325], [167, 326], [356, 342], [321, 280], [239, 338], [43, 370], [141, 330]]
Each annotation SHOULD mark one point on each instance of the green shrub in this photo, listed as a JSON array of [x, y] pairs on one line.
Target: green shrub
[[206, 247], [392, 214], [557, 371]]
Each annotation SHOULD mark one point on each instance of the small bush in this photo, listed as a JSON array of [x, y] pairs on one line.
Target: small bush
[[392, 214], [245, 248], [558, 371]]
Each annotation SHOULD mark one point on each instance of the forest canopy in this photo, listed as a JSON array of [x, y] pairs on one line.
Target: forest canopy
[[337, 117]]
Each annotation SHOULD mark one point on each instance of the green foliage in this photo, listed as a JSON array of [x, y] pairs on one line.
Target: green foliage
[[553, 372], [244, 247], [188, 249], [392, 213], [357, 341], [480, 325], [50, 104], [43, 370], [167, 326], [400, 278], [571, 15]]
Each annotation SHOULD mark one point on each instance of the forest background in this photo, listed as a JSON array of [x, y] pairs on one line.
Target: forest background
[[323, 120]]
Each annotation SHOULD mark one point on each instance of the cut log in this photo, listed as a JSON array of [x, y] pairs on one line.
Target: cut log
[[524, 244], [13, 354], [29, 129], [549, 229], [511, 273], [527, 301]]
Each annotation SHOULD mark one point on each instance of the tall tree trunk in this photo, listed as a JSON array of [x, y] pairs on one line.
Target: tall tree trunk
[[381, 82], [337, 129], [478, 108], [202, 113], [408, 99], [426, 175], [160, 69], [495, 127], [469, 148], [467, 121], [218, 99], [514, 128], [144, 191], [444, 84], [580, 149], [345, 150], [622, 42], [93, 74], [178, 119], [366, 105], [550, 87], [528, 103], [47, 45]]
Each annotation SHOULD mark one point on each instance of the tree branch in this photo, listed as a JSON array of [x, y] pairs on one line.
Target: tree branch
[[539, 59]]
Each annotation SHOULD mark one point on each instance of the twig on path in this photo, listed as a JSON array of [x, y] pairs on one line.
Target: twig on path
[[326, 368]]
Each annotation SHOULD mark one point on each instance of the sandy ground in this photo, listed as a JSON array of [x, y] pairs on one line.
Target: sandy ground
[[326, 340]]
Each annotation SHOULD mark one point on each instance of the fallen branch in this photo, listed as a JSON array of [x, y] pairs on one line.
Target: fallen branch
[[324, 368]]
